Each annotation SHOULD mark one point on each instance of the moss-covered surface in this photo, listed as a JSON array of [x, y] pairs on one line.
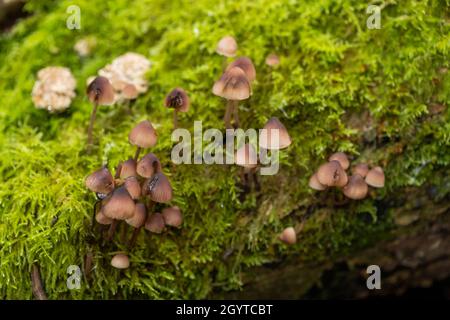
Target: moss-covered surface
[[340, 86]]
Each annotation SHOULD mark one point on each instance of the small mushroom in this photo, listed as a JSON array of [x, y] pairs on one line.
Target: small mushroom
[[227, 46], [375, 177], [172, 216], [143, 135], [130, 92], [155, 223], [233, 86], [100, 92], [120, 261], [341, 158], [118, 205], [246, 156], [246, 65], [272, 60], [128, 169], [133, 187], [102, 219], [315, 184], [331, 174], [356, 188], [159, 188], [288, 236], [179, 101], [148, 166], [267, 139], [101, 181], [361, 168]]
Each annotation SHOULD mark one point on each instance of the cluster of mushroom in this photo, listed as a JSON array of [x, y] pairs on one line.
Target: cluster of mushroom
[[235, 83], [131, 196], [333, 174], [274, 136]]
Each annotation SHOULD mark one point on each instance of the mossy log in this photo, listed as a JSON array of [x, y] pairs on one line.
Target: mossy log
[[380, 95]]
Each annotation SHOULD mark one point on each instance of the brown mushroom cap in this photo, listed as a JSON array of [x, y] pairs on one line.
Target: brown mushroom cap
[[233, 85], [128, 169], [133, 187], [375, 177], [100, 91], [246, 156], [100, 181], [120, 261], [267, 138], [356, 188], [139, 216], [342, 158], [246, 65], [315, 184], [177, 99], [272, 60], [130, 92], [227, 46], [331, 174], [148, 166], [172, 216], [143, 135], [102, 219], [361, 168], [155, 223], [288, 236], [118, 205], [159, 188]]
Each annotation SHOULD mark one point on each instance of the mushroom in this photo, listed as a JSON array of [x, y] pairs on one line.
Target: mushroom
[[172, 216], [148, 166], [137, 221], [100, 92], [288, 236], [361, 169], [227, 46], [159, 188], [356, 188], [341, 158], [233, 86], [375, 177], [155, 223], [118, 206], [133, 187], [120, 261], [179, 101], [247, 158], [130, 92], [143, 135], [331, 174], [127, 169], [100, 181], [267, 141], [272, 60], [315, 184], [246, 65], [102, 219]]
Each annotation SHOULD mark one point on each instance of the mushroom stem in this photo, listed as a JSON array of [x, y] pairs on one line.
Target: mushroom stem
[[228, 112], [175, 119], [36, 282], [112, 230], [256, 180], [95, 212], [88, 264], [134, 237], [91, 123], [138, 152], [236, 114]]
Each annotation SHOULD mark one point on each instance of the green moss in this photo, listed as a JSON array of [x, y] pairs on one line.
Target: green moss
[[333, 69]]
